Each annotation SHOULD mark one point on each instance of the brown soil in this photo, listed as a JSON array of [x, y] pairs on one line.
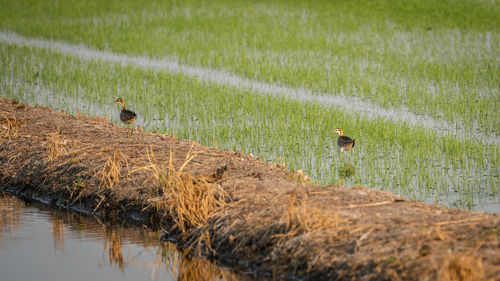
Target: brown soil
[[237, 208]]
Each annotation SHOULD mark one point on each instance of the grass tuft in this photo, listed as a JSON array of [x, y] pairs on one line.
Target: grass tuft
[[9, 127], [188, 201], [300, 218], [461, 267], [57, 146], [110, 173]]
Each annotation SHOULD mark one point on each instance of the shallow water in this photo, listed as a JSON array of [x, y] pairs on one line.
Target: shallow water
[[468, 180], [41, 243], [338, 100]]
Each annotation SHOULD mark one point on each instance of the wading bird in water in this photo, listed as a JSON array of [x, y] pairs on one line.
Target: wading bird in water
[[344, 142], [127, 116]]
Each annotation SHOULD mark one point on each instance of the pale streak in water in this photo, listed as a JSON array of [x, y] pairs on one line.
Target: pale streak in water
[[339, 100]]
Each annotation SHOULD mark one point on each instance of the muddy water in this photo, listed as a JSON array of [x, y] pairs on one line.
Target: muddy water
[[40, 243]]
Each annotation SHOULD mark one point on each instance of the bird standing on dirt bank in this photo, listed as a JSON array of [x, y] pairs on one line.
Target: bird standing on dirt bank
[[344, 142], [127, 116]]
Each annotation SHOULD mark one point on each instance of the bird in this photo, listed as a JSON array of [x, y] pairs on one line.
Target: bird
[[344, 142], [126, 116]]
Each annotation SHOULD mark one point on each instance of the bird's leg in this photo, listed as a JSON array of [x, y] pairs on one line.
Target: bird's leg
[[132, 129], [128, 131]]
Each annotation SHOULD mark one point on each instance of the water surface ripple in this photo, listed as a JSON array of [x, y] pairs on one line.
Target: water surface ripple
[[42, 243]]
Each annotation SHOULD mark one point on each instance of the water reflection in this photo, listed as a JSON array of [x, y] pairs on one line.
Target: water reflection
[[346, 170], [39, 243]]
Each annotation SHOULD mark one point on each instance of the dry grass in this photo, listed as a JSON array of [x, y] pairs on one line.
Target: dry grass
[[188, 201], [110, 173], [9, 127], [269, 224], [301, 218], [461, 267], [300, 176], [56, 146]]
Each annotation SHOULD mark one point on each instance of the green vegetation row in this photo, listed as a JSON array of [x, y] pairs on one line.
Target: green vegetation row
[[433, 57]]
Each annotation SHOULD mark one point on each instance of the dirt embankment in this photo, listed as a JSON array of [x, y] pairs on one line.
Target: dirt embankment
[[236, 208]]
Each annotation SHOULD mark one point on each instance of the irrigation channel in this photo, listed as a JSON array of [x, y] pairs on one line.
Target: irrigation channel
[[38, 242], [232, 207]]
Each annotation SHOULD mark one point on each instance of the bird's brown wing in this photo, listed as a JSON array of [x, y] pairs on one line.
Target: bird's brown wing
[[345, 141], [128, 116]]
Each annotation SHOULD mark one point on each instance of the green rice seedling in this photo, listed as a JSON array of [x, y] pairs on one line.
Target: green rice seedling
[[380, 51]]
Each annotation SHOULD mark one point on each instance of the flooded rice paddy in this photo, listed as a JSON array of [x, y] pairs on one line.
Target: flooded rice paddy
[[40, 243], [220, 77], [417, 86], [414, 161]]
